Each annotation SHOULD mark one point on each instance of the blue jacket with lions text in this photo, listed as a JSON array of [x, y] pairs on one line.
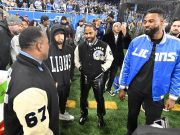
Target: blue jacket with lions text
[[166, 74]]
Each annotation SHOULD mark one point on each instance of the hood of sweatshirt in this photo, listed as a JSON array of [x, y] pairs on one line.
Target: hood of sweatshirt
[[57, 28]]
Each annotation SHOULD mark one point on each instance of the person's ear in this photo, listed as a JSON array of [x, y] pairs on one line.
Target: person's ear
[[38, 46]]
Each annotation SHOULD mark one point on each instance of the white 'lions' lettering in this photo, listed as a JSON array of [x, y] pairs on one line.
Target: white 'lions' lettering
[[60, 63], [161, 56], [165, 56], [142, 53]]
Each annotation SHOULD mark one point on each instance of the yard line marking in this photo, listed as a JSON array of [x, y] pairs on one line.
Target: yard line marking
[[176, 107], [93, 104], [108, 105], [71, 103]]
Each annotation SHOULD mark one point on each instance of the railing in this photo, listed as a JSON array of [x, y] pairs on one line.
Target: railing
[[36, 15]]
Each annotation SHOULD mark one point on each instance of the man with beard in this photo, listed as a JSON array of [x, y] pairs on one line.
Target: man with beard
[[150, 71], [92, 58], [8, 29], [60, 63], [175, 28]]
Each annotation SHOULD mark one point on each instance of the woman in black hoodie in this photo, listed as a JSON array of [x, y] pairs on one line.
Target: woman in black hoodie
[[60, 63]]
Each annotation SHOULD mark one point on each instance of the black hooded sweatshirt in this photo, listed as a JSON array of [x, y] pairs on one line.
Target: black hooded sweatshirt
[[60, 61]]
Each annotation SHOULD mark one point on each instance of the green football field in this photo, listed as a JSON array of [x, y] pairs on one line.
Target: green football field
[[115, 119]]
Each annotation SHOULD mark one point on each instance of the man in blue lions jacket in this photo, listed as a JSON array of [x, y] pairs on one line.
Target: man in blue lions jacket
[[151, 69]]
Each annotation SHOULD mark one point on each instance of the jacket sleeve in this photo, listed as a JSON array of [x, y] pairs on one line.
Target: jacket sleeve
[[125, 70], [76, 58], [4, 48], [174, 92], [32, 113], [108, 59]]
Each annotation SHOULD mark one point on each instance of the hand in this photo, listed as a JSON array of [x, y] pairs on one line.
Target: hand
[[124, 31], [169, 104], [122, 94]]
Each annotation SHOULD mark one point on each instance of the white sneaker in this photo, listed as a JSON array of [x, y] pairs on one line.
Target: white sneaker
[[111, 93], [66, 116], [166, 110]]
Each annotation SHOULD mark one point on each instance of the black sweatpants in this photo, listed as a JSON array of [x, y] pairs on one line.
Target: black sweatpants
[[63, 92], [153, 109], [98, 89]]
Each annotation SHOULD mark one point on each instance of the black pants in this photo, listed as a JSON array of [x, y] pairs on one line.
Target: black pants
[[110, 75], [98, 89], [153, 109], [63, 92]]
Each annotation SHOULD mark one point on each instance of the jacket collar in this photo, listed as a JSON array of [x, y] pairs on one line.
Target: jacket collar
[[163, 39]]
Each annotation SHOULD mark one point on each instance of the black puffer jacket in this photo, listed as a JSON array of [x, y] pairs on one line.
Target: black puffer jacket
[[5, 42]]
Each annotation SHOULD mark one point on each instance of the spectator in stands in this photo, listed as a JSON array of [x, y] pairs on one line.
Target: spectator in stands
[[100, 28], [63, 6], [24, 6], [175, 28], [49, 5], [38, 5], [57, 5], [31, 7], [76, 7], [19, 3], [44, 5], [69, 6], [150, 71], [44, 23]]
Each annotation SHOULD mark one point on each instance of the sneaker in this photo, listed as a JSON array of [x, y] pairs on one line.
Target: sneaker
[[111, 93], [66, 116], [82, 120], [166, 110]]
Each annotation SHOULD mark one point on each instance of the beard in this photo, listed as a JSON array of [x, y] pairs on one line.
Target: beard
[[151, 32], [175, 33]]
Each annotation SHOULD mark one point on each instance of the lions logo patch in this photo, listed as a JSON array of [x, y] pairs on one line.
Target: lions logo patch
[[98, 55]]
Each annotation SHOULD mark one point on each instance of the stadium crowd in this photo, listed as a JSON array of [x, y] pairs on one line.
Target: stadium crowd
[[62, 6]]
